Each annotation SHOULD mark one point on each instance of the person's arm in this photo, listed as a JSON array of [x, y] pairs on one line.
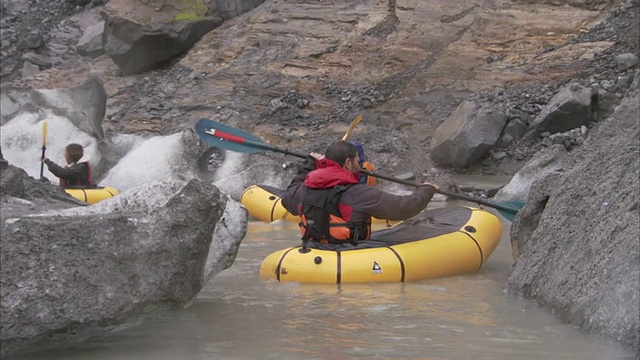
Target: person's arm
[[294, 192], [77, 172], [387, 206]]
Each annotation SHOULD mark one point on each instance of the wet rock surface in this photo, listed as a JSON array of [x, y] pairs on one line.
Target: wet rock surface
[[576, 241], [70, 273]]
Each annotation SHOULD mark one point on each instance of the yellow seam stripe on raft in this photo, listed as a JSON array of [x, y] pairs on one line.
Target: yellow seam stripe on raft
[[445, 255], [402, 268], [479, 248], [245, 191], [488, 228], [277, 270], [338, 267], [273, 209]]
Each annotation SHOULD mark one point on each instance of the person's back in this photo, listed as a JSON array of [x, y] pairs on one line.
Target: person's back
[[357, 203]]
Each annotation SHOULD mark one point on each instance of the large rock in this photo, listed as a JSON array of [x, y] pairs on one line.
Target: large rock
[[543, 163], [22, 194], [84, 105], [576, 240], [466, 135], [239, 171], [90, 44], [71, 274], [174, 157], [572, 107], [140, 35]]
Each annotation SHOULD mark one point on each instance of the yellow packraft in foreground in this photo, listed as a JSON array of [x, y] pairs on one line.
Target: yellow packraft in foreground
[[436, 243]]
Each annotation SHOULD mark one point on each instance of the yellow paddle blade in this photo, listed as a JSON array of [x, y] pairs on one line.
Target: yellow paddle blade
[[45, 125], [354, 123]]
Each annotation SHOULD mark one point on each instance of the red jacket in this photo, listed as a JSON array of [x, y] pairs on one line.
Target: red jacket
[[359, 202]]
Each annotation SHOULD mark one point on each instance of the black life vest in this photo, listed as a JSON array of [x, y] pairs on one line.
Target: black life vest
[[88, 184], [321, 220]]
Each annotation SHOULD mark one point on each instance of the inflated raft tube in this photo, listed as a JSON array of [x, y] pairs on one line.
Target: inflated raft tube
[[264, 203], [436, 243], [92, 195]]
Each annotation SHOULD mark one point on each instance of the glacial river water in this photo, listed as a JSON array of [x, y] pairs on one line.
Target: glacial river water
[[240, 316]]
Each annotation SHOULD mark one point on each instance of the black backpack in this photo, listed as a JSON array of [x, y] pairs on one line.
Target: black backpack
[[317, 207]]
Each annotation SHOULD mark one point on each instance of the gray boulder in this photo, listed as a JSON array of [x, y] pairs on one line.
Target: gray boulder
[[91, 101], [173, 158], [626, 61], [576, 239], [29, 69], [84, 105], [90, 44], [570, 108], [22, 194], [466, 135], [544, 162], [607, 103], [69, 274], [140, 35]]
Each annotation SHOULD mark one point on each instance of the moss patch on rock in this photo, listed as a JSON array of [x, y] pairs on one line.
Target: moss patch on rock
[[190, 10]]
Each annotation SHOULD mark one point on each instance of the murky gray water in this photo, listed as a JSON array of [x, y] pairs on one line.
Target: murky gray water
[[240, 316]]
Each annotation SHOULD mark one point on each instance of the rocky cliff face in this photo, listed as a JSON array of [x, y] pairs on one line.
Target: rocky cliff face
[[297, 73], [576, 240]]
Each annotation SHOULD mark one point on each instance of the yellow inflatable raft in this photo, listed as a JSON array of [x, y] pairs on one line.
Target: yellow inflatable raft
[[93, 195], [263, 203], [436, 243]]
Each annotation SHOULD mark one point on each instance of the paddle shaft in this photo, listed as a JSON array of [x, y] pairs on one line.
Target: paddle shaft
[[44, 147], [443, 192], [254, 144], [233, 139]]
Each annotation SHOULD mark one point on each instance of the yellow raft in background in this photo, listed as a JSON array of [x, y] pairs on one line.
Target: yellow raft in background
[[436, 243], [93, 195], [263, 203]]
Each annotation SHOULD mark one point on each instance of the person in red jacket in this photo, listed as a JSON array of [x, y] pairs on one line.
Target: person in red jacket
[[77, 173], [335, 208]]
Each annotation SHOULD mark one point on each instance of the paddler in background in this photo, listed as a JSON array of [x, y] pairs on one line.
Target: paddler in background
[[366, 165], [77, 172]]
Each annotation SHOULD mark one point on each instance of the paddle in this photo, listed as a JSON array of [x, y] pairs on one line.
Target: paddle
[[353, 125], [44, 146], [223, 136]]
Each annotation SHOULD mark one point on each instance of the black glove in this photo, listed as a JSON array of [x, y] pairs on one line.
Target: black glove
[[309, 164]]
